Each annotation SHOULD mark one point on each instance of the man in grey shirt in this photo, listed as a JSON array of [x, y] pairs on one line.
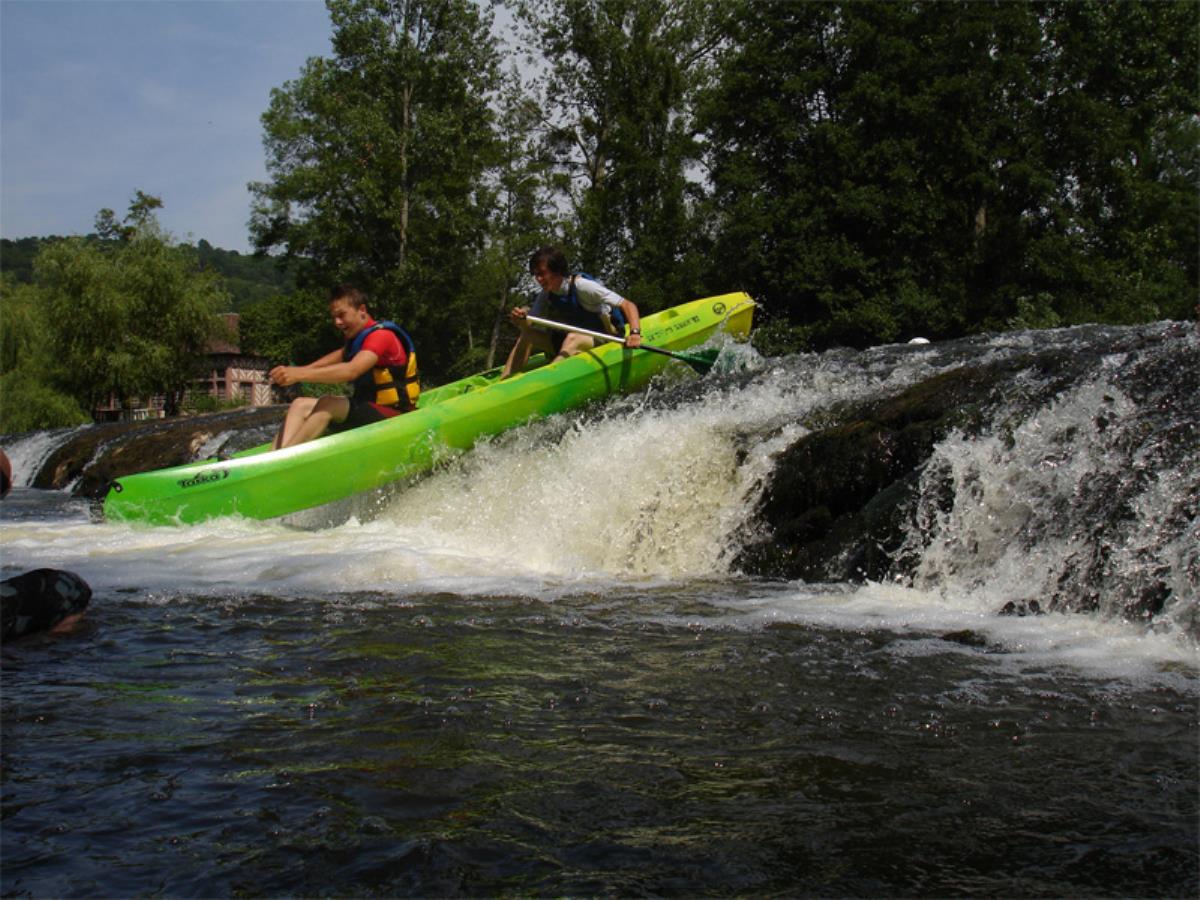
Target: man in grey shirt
[[573, 300]]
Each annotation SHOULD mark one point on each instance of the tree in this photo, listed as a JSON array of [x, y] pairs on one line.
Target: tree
[[846, 152], [140, 216], [127, 319], [250, 278], [377, 157], [616, 94], [30, 372], [288, 329], [882, 170], [16, 257], [1122, 125], [522, 212]]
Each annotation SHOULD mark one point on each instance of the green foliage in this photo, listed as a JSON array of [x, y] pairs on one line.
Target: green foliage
[[311, 389], [32, 391], [522, 215], [617, 126], [249, 278], [289, 329], [28, 403], [378, 156], [199, 402], [129, 317], [885, 170], [1035, 312], [869, 171], [21, 337], [16, 257], [140, 217]]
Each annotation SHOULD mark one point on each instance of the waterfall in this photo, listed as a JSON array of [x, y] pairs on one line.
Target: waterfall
[[29, 452], [1024, 472]]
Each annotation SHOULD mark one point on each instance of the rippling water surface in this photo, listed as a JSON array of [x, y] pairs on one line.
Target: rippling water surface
[[681, 737], [534, 673]]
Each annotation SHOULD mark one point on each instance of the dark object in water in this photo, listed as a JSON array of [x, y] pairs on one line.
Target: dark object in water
[[1021, 608], [5, 475], [966, 637], [41, 600]]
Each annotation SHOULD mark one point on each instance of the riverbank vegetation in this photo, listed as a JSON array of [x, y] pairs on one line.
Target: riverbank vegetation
[[868, 171]]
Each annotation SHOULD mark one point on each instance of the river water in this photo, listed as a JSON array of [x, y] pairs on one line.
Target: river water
[[536, 672]]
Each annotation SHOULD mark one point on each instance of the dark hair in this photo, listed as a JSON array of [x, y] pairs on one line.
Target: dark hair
[[349, 293], [554, 258]]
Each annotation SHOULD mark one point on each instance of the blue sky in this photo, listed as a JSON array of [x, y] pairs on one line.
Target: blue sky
[[99, 98]]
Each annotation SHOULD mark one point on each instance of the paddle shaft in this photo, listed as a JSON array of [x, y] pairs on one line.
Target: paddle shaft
[[600, 335]]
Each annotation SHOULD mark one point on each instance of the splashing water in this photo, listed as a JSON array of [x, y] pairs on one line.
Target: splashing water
[[537, 670], [1086, 503]]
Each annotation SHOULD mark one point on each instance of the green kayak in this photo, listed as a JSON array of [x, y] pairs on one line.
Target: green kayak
[[261, 483]]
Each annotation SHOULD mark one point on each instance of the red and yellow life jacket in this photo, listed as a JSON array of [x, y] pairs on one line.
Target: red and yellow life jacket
[[395, 387]]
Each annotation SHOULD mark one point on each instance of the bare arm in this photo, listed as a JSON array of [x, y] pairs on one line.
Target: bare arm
[[634, 318], [329, 369]]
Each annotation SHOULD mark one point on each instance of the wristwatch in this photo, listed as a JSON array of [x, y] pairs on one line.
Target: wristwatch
[[635, 331]]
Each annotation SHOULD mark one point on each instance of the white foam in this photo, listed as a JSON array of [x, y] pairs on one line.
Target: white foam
[[650, 495], [28, 453]]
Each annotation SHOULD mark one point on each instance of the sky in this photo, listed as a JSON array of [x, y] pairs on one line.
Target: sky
[[101, 98]]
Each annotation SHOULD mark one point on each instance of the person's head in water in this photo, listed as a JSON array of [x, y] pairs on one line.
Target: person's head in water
[[41, 600]]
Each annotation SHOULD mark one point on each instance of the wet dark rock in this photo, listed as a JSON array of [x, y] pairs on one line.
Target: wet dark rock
[[1022, 608], [95, 456], [966, 638], [841, 503], [840, 497]]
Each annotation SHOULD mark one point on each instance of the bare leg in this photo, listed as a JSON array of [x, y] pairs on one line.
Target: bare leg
[[297, 413], [575, 343], [532, 339], [308, 417], [517, 357]]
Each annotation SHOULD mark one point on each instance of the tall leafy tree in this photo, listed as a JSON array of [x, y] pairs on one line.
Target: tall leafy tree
[[846, 156], [32, 394], [615, 90], [1122, 122], [887, 169], [128, 318], [523, 213], [377, 157]]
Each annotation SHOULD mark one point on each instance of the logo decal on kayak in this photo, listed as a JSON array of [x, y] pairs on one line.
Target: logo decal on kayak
[[205, 478], [718, 308], [681, 324]]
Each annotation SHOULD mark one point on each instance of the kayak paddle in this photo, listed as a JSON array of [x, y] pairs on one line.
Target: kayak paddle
[[699, 364]]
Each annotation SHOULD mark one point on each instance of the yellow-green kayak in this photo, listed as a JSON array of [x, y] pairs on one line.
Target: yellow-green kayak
[[261, 483]]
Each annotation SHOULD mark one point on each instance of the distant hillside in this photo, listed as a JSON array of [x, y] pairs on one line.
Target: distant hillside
[[249, 279], [16, 257]]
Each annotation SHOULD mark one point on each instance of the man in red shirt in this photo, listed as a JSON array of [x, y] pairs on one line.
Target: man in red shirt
[[374, 358]]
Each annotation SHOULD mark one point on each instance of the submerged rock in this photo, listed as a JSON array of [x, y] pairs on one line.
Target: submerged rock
[[1021, 608]]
